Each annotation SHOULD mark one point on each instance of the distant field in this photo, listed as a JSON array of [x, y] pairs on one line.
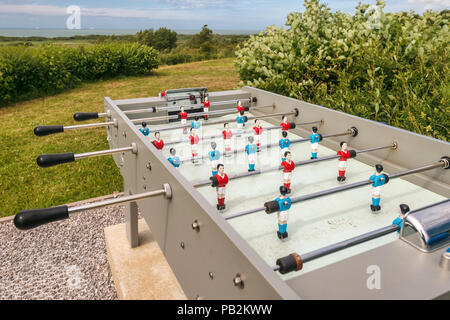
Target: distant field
[[24, 185]]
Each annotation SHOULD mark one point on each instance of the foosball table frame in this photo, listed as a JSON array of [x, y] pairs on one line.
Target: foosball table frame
[[197, 241]]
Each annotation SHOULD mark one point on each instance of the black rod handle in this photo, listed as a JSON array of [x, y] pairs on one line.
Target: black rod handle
[[46, 130], [28, 219], [53, 159], [83, 116]]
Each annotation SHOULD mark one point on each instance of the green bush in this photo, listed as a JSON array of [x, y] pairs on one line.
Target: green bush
[[32, 72], [389, 67], [161, 39]]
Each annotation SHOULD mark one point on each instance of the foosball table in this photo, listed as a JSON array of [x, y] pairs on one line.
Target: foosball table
[[253, 195]]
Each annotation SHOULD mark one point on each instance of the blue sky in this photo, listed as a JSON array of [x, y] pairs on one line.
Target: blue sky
[[176, 14]]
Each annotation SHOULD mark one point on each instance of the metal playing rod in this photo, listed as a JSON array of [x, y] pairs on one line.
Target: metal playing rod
[[53, 159], [243, 150], [299, 163], [193, 115], [47, 130], [288, 262], [205, 138], [294, 112], [185, 106], [28, 219], [295, 261], [83, 116], [444, 163]]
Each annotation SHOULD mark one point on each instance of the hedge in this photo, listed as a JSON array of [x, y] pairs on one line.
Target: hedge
[[388, 67], [34, 72]]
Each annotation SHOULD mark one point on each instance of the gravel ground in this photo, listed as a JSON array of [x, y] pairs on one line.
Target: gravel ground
[[61, 260]]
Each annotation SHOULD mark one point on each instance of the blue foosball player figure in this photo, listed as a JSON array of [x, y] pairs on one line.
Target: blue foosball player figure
[[144, 130], [174, 160], [250, 150], [241, 120], [284, 144], [196, 124], [379, 179], [282, 204], [214, 157], [404, 209], [315, 138]]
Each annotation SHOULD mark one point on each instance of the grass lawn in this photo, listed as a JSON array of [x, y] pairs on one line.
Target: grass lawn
[[24, 185]]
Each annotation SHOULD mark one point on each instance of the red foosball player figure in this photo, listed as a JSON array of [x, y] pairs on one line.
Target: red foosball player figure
[[240, 107], [206, 105], [183, 116], [158, 142], [258, 131], [288, 166], [220, 181], [194, 139], [285, 125], [227, 134], [344, 155]]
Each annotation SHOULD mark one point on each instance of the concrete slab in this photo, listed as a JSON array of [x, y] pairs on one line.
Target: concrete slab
[[140, 273]]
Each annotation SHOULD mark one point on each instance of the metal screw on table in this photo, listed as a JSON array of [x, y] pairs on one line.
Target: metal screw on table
[[211, 275], [196, 225], [182, 245], [238, 282]]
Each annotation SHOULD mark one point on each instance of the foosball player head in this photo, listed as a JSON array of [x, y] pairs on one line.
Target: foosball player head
[[173, 152], [284, 134], [213, 145], [404, 209], [379, 168], [284, 190]]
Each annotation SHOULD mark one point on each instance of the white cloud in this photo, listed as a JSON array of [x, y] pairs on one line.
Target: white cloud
[[432, 4], [199, 3], [45, 10]]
